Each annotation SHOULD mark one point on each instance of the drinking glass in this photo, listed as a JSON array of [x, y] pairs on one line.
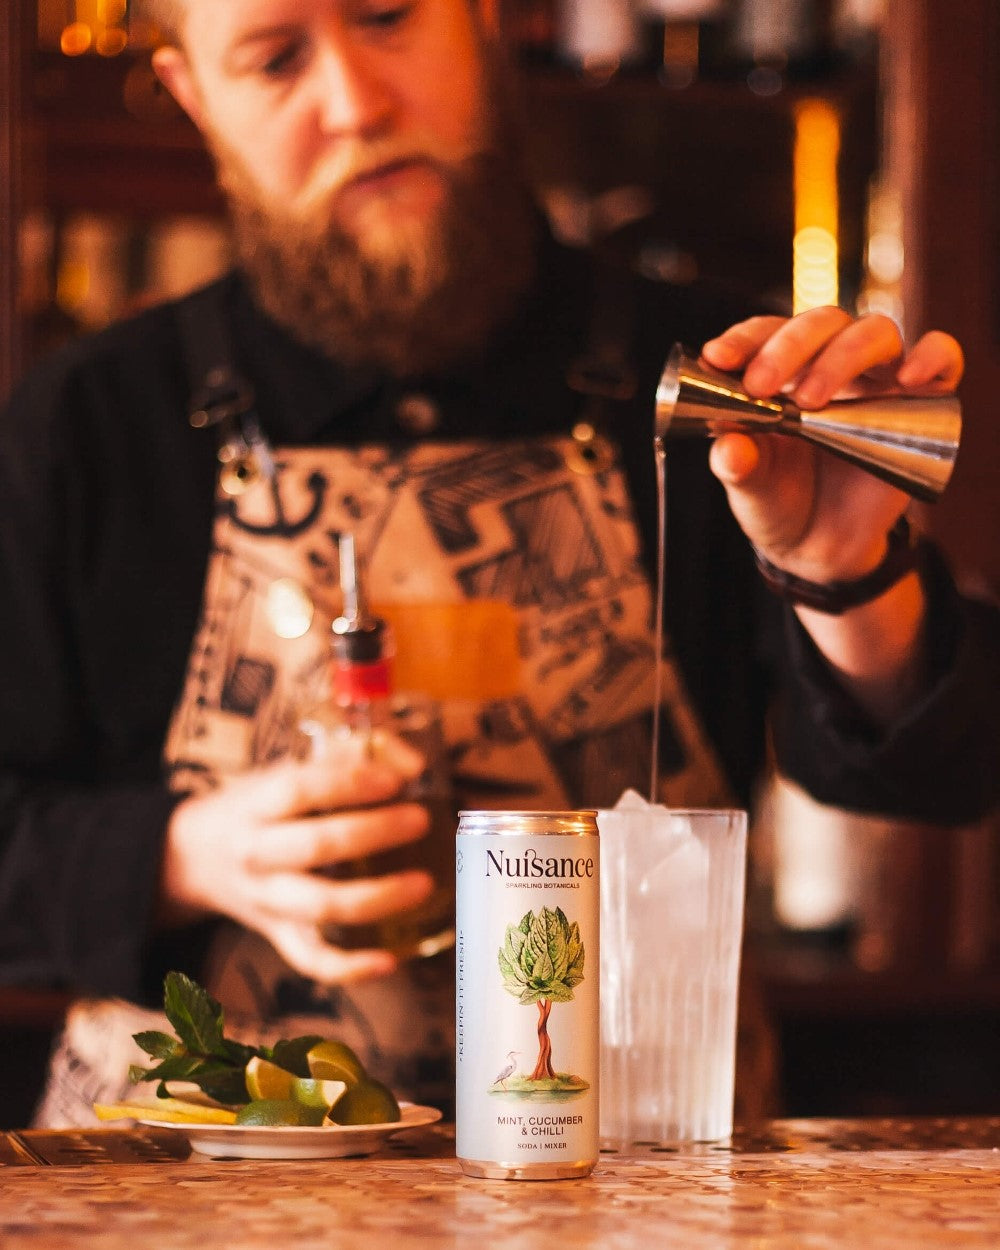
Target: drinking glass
[[672, 887]]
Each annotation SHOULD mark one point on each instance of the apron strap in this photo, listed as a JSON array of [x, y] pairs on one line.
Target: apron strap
[[604, 375], [221, 397]]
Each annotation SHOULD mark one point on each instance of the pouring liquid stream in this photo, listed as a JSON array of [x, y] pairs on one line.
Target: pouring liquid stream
[[660, 454]]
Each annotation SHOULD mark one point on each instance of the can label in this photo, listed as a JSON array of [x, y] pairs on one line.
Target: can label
[[527, 981]]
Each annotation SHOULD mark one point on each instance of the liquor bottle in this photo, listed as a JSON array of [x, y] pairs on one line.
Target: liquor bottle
[[780, 40], [361, 703], [530, 29], [600, 37], [685, 38]]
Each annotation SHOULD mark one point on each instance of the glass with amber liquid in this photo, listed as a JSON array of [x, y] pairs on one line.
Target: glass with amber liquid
[[362, 704]]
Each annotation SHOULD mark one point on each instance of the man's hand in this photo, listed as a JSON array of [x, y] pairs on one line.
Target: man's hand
[[807, 511], [813, 514], [249, 850]]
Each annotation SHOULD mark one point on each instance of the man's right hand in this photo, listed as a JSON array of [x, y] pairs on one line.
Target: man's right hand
[[250, 850]]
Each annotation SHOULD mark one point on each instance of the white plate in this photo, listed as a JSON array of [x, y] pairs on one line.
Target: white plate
[[292, 1141]]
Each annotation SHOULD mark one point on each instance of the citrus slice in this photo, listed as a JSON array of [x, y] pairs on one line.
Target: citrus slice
[[266, 1080], [276, 1111], [171, 1110], [312, 1093], [333, 1061], [367, 1102]]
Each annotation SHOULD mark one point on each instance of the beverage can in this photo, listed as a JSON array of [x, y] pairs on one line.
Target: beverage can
[[527, 1014]]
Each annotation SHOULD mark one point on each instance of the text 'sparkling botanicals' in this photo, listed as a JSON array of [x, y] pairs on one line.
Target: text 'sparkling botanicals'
[[527, 980]]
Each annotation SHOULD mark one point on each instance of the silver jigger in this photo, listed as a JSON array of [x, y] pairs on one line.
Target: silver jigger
[[910, 441]]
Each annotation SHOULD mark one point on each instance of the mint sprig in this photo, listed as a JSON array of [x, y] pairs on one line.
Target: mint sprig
[[200, 1053]]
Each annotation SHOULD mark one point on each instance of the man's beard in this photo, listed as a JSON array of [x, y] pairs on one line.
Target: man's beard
[[411, 296]]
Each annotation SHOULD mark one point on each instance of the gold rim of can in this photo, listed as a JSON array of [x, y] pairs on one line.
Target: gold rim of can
[[548, 1171], [575, 823]]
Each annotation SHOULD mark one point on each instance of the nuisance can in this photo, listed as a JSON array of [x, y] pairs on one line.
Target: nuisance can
[[526, 996]]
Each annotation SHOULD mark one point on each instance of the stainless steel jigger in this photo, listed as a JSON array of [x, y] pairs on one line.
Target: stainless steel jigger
[[910, 441]]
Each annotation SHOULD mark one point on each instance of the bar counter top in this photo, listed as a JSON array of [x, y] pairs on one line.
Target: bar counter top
[[790, 1185]]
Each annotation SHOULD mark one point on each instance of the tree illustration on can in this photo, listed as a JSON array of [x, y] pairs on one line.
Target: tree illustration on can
[[541, 961]]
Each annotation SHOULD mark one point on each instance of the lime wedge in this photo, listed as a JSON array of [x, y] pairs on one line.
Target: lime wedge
[[266, 1080], [312, 1093], [275, 1111], [367, 1102], [333, 1061]]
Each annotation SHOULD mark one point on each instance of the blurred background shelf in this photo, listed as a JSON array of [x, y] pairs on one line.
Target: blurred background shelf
[[702, 176], [897, 1042]]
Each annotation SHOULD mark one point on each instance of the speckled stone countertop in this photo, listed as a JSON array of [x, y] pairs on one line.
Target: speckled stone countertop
[[792, 1185]]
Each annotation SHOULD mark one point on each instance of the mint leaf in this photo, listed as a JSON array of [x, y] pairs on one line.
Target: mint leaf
[[239, 1053], [290, 1053], [196, 1016], [159, 1045], [176, 1068], [222, 1082]]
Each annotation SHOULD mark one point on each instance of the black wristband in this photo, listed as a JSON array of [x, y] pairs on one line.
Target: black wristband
[[901, 557]]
